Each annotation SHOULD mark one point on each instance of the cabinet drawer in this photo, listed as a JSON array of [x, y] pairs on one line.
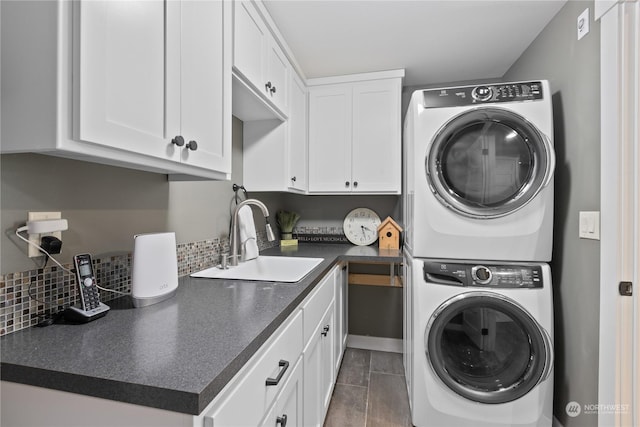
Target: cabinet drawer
[[314, 308], [247, 403], [287, 410]]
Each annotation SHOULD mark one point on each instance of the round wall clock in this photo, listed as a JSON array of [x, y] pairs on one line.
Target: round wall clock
[[361, 226]]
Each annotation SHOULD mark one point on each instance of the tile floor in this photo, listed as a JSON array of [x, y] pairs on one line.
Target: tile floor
[[370, 391]]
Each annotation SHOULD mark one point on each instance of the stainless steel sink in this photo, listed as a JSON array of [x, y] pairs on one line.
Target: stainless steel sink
[[265, 268]]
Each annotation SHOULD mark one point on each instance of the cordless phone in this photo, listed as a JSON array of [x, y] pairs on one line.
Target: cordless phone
[[90, 306]]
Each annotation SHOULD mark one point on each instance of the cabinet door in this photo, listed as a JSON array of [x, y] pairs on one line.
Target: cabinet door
[[264, 155], [246, 403], [341, 296], [250, 38], [277, 76], [330, 139], [127, 63], [203, 80], [319, 371], [376, 146], [287, 409], [297, 177]]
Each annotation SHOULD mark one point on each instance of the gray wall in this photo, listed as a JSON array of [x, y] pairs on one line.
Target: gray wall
[[573, 69], [329, 211], [106, 205]]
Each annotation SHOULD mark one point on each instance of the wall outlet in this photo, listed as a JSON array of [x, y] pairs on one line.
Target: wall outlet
[[35, 238], [589, 225]]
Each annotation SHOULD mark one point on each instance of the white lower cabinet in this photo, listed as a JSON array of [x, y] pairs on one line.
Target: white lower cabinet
[[319, 370], [287, 383], [246, 402], [342, 327], [287, 409], [319, 350], [309, 342]]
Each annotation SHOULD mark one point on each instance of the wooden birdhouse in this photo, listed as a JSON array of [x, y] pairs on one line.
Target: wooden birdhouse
[[389, 234]]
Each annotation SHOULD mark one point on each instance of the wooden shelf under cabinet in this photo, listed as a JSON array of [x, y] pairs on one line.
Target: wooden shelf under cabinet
[[391, 279]]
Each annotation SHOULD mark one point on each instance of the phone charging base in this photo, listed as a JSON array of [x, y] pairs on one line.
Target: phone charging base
[[74, 314]]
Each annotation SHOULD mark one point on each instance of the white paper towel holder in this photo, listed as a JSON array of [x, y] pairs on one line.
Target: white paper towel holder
[[154, 275]]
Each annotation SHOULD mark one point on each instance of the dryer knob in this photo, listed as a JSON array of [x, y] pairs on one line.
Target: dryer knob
[[481, 274], [482, 93]]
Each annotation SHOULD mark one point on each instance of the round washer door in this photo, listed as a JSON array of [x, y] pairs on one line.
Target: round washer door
[[488, 162], [487, 348]]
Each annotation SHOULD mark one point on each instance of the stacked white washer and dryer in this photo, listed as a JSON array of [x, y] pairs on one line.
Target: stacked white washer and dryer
[[478, 216]]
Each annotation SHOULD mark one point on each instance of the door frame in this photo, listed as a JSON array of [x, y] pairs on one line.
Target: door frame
[[618, 382]]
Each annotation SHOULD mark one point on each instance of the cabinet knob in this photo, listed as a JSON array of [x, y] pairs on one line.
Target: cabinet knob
[[268, 86], [273, 90], [178, 140], [325, 331], [355, 183], [192, 145], [346, 184], [293, 178], [282, 421]]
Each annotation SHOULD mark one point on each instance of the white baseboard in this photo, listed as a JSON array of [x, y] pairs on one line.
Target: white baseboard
[[392, 345]]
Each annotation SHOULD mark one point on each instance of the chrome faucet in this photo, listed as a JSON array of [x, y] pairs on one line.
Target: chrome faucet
[[233, 257]]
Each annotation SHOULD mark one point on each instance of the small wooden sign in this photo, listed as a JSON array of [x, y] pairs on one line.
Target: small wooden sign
[[389, 234]]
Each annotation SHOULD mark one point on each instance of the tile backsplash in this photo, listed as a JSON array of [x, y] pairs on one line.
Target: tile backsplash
[[28, 296]]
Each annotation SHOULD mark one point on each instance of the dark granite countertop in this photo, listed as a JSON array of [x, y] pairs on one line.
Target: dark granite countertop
[[176, 355]]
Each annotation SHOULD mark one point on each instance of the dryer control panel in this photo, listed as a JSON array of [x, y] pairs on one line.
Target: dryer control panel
[[482, 94], [483, 275]]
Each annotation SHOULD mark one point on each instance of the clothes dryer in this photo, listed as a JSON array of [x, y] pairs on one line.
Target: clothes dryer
[[478, 172], [481, 350]]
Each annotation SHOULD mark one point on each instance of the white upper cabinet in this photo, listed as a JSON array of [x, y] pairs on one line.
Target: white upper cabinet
[[275, 152], [297, 146], [277, 77], [250, 38], [355, 134], [120, 64], [330, 138], [141, 84], [204, 78], [257, 57], [376, 152]]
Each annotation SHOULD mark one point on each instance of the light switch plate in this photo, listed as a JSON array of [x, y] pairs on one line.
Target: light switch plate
[[589, 225], [583, 24]]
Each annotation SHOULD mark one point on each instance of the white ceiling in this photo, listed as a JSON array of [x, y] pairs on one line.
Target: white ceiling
[[434, 41]]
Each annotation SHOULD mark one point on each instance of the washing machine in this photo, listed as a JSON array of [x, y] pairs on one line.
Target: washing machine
[[481, 346], [478, 172]]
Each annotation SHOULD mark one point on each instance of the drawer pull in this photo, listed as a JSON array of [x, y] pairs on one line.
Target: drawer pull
[[282, 420], [274, 381], [325, 330]]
